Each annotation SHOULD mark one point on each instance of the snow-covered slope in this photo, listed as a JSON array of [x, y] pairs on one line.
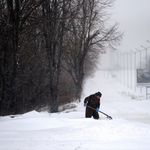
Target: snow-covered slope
[[69, 130]]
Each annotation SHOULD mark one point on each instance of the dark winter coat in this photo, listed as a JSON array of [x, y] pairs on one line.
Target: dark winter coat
[[93, 102]]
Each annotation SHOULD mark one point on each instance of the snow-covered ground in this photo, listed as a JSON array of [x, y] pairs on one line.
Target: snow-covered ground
[[69, 130]]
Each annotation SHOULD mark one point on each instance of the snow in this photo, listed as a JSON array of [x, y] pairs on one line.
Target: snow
[[69, 130]]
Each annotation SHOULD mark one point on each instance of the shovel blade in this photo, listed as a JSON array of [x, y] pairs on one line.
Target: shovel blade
[[109, 117]]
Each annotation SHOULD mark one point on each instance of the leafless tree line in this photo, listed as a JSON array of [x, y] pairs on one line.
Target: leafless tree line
[[47, 47]]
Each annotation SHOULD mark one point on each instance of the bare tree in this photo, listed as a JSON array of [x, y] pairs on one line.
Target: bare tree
[[90, 34], [55, 17], [14, 19], [40, 41]]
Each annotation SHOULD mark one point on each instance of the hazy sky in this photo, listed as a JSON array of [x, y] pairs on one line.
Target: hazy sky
[[133, 17]]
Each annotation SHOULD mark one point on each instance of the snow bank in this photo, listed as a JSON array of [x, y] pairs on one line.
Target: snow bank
[[69, 130]]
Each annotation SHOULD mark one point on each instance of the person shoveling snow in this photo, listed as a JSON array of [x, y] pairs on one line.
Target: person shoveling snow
[[92, 101], [92, 104]]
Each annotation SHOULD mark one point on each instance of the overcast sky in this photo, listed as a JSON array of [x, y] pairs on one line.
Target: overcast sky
[[133, 17]]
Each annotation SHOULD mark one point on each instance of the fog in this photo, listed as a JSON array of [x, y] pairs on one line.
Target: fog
[[133, 53], [133, 17]]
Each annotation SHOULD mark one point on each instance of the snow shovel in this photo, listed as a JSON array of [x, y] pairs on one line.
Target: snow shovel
[[109, 117]]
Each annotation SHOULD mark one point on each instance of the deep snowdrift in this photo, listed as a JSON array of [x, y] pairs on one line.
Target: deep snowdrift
[[69, 130]]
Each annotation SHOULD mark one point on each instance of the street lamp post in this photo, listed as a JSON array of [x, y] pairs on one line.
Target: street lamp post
[[140, 64], [140, 56], [131, 68], [146, 54], [134, 67], [127, 69], [123, 68]]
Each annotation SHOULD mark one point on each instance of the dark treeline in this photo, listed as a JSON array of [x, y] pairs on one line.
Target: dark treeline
[[47, 48]]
